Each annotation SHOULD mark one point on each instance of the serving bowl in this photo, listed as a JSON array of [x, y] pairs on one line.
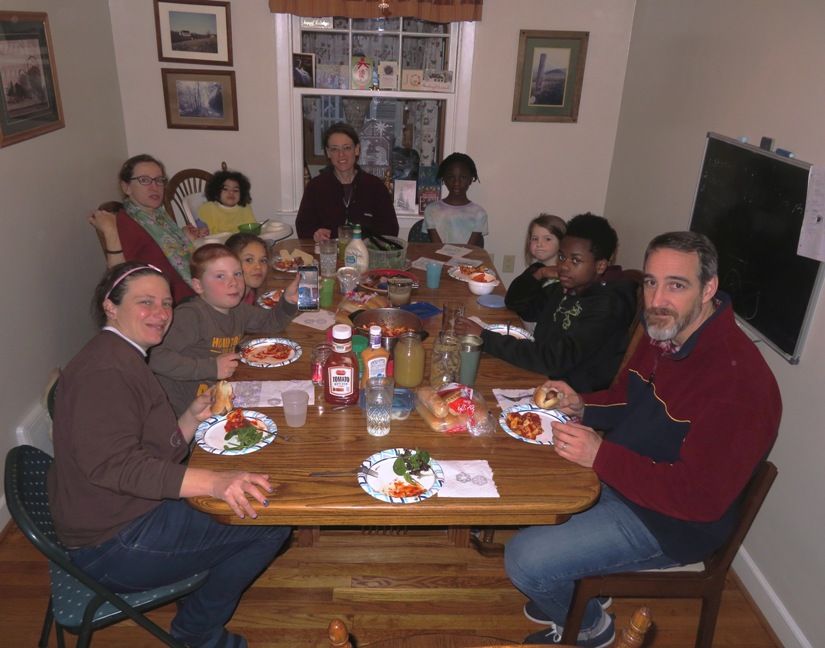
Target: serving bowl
[[484, 287], [393, 259], [386, 318], [250, 228]]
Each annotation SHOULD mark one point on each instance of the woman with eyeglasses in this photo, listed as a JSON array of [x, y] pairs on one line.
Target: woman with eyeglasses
[[142, 230], [343, 192]]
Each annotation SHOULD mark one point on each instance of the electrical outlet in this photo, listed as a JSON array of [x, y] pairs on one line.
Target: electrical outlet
[[509, 263]]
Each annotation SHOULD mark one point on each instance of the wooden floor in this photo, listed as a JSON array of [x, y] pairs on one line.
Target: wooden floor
[[378, 587]]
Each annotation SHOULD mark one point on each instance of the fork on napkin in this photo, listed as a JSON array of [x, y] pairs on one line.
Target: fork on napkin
[[508, 397]]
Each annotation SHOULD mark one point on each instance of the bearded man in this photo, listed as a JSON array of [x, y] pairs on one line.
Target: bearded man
[[681, 433]]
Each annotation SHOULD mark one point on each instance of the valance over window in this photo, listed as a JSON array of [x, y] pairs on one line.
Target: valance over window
[[442, 11]]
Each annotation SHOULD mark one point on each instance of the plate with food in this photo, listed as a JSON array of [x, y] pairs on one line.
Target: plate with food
[[465, 272], [531, 424], [270, 352], [376, 280], [287, 261], [403, 476], [239, 432], [513, 331], [270, 299]]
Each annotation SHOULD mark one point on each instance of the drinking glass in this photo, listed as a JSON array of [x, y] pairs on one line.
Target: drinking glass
[[470, 356], [378, 397], [295, 407], [329, 257], [348, 277], [452, 310], [399, 291], [320, 353], [344, 237]]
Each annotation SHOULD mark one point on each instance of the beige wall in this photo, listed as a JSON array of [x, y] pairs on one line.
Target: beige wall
[[740, 68], [50, 257]]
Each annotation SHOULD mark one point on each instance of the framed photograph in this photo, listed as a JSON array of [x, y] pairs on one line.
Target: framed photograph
[[30, 105], [549, 75], [194, 31], [303, 70], [203, 99]]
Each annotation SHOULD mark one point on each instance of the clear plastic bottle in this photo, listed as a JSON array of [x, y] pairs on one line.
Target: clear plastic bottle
[[356, 255], [341, 369], [374, 358], [408, 360]]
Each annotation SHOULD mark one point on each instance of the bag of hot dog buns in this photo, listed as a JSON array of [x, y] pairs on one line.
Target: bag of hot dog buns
[[454, 409]]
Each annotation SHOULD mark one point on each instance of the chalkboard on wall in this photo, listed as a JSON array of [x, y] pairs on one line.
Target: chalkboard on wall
[[750, 203]]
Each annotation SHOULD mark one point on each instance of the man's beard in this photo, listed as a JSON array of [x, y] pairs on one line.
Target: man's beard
[[663, 333]]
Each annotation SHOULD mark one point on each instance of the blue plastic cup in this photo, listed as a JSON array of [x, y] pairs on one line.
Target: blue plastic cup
[[433, 274]]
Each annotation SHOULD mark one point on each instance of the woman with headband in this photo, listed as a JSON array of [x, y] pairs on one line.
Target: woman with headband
[[119, 478]]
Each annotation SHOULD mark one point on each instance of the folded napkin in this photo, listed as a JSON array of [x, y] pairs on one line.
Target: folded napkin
[[467, 479], [451, 250], [508, 397], [267, 393], [421, 263], [320, 320]]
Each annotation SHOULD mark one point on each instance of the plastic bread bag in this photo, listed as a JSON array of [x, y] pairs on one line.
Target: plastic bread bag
[[454, 409]]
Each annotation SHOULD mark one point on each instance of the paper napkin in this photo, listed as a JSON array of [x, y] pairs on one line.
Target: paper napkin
[[267, 393], [467, 479], [320, 320], [450, 250], [508, 397]]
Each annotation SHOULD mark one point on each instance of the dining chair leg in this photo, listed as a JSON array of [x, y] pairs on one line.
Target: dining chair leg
[[707, 619], [582, 593], [47, 626]]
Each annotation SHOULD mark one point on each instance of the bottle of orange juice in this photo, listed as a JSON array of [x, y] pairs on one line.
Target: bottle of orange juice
[[375, 357]]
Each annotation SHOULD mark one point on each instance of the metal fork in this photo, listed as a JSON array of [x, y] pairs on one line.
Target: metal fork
[[359, 469]]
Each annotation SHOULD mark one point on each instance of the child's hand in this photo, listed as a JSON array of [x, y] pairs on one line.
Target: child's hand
[[203, 231], [466, 326], [191, 232], [546, 272], [291, 291], [227, 364]]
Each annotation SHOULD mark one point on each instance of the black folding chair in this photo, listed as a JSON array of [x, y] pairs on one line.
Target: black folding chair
[[78, 603]]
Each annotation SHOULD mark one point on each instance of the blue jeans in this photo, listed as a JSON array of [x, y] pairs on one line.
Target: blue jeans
[[175, 541], [545, 561]]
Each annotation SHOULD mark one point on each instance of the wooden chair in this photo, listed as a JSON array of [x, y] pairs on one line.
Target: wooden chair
[[631, 637], [183, 184], [706, 584], [637, 328], [78, 603]]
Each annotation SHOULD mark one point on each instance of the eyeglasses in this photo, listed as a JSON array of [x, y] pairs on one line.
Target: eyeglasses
[[346, 148], [146, 180]]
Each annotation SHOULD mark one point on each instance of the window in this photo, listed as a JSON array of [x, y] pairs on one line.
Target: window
[[402, 129]]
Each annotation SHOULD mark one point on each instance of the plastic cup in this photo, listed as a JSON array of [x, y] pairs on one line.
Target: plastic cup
[[329, 257], [379, 396], [348, 278], [470, 356], [433, 274], [320, 353], [327, 289], [452, 310], [295, 407]]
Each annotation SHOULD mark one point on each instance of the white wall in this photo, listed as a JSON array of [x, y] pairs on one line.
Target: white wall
[[51, 260], [752, 68]]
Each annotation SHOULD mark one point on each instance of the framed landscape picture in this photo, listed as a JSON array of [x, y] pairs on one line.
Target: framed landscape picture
[[204, 99], [549, 75], [30, 103], [194, 31]]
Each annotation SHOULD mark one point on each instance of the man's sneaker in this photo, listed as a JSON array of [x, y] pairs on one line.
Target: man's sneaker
[[534, 613], [601, 636]]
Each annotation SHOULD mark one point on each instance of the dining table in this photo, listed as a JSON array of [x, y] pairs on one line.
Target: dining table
[[535, 486]]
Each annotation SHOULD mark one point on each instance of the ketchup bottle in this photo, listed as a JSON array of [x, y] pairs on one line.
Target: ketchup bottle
[[341, 369]]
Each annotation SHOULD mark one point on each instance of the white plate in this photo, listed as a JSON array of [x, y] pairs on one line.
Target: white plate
[[455, 272], [515, 331], [253, 352], [381, 462], [271, 296], [212, 238], [548, 417], [210, 433]]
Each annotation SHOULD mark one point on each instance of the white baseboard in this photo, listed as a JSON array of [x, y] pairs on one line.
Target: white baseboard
[[769, 604]]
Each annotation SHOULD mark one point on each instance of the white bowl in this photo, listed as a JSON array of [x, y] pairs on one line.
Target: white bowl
[[483, 287]]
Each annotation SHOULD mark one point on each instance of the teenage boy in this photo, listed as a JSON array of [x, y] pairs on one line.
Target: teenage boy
[[200, 345], [582, 332]]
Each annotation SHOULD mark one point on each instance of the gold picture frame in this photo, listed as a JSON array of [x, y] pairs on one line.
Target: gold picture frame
[[549, 75], [30, 103], [200, 99]]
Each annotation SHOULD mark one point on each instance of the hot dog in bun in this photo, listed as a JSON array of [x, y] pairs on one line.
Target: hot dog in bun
[[222, 398], [547, 398]]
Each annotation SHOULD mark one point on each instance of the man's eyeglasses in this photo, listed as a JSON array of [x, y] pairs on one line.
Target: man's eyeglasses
[[146, 180], [346, 148]]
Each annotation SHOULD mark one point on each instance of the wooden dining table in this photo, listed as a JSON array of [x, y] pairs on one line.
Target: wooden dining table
[[535, 485]]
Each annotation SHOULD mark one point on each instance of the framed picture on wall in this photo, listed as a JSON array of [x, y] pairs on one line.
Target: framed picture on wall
[[194, 31], [30, 103], [204, 99], [549, 75]]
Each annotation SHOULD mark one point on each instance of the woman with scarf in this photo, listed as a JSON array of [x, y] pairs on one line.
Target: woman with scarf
[[143, 231]]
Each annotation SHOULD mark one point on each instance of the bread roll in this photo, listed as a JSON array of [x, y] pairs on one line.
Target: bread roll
[[547, 398], [222, 398]]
